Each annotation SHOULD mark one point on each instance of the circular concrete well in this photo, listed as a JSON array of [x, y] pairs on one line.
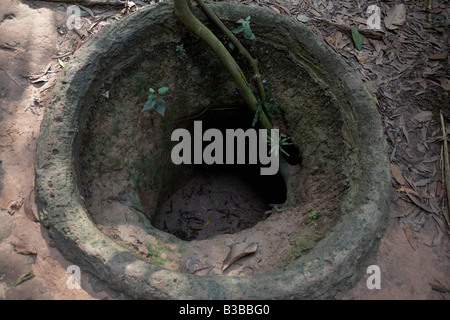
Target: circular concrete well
[[117, 206]]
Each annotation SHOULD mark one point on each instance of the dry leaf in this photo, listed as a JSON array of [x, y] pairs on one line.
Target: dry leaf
[[363, 58], [238, 251], [395, 17], [403, 127], [28, 207], [302, 18], [445, 83], [439, 56], [409, 236], [24, 277], [397, 174], [424, 116], [420, 193], [418, 203], [437, 239]]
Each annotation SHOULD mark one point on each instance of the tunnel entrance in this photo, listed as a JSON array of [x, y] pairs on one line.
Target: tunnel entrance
[[221, 198], [100, 193]]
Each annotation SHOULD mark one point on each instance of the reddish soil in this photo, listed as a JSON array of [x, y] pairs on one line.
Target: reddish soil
[[407, 72]]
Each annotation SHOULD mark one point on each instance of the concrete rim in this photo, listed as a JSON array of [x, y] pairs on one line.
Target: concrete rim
[[319, 274]]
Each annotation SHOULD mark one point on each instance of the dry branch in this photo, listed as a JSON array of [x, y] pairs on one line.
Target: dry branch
[[446, 169]]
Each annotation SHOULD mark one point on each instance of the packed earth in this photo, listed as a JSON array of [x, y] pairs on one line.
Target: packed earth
[[404, 63]]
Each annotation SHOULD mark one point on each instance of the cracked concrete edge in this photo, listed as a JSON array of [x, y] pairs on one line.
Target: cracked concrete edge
[[62, 211]]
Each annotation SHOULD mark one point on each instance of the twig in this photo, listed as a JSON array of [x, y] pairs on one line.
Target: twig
[[62, 55], [368, 33], [446, 169]]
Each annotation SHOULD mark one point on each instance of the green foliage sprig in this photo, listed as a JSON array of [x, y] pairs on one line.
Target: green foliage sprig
[[156, 101]]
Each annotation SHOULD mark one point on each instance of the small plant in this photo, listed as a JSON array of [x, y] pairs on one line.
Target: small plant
[[275, 148], [270, 109], [245, 28], [313, 215], [180, 49], [156, 101]]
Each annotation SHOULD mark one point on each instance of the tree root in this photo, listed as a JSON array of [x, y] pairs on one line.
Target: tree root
[[242, 50], [186, 17]]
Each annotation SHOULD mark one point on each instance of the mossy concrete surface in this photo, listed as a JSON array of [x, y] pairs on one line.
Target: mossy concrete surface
[[347, 133]]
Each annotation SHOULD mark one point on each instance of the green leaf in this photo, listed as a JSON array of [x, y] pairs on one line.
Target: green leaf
[[282, 150], [63, 64], [248, 18], [356, 38], [151, 90], [151, 96], [271, 109], [285, 142], [237, 30], [257, 113], [248, 34], [160, 106], [240, 21], [231, 45], [149, 104], [163, 90]]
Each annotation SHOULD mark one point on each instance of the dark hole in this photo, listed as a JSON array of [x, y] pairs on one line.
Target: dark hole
[[220, 198]]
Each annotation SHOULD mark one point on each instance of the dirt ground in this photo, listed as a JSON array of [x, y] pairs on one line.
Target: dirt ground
[[407, 71]]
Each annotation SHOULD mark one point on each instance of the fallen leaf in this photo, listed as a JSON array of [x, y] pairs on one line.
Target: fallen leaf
[[63, 64], [25, 277], [275, 9], [77, 46], [437, 239], [395, 17], [409, 236], [445, 83], [404, 130], [207, 222], [424, 116], [397, 174], [357, 40], [439, 56], [238, 251], [363, 58], [418, 203], [302, 18], [28, 207], [420, 194]]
